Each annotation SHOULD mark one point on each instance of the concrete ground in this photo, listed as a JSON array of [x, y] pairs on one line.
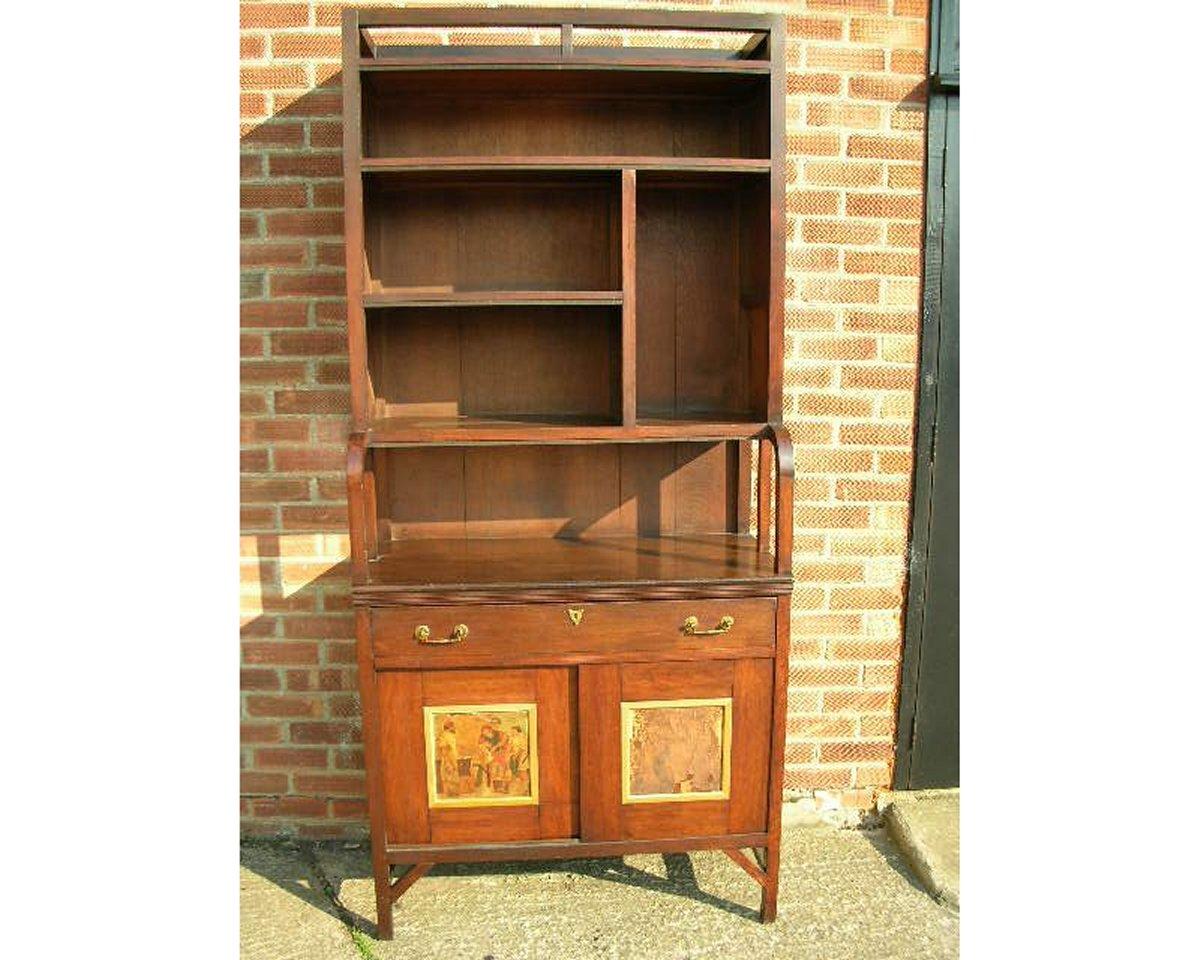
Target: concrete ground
[[843, 894], [924, 825]]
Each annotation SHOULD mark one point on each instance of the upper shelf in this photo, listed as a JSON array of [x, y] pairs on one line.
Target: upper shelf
[[438, 297], [410, 431], [459, 164]]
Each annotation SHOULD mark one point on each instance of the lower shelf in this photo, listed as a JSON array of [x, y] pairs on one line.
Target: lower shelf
[[564, 849], [648, 566]]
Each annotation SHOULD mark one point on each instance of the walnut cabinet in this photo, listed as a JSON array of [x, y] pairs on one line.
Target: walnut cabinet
[[569, 484]]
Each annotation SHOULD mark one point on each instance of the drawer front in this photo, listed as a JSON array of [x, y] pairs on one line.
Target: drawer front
[[548, 633]]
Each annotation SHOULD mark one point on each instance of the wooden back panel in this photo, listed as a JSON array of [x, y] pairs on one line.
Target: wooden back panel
[[495, 235], [532, 113], [558, 491], [703, 289], [496, 361]]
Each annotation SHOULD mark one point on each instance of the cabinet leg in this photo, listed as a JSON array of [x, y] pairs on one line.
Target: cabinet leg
[[770, 887], [383, 900]]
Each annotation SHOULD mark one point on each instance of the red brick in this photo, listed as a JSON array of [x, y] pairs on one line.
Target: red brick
[[812, 201], [887, 32], [825, 83], [274, 254], [332, 254], [253, 105], [839, 701], [250, 166], [325, 164], [815, 28], [253, 783], [881, 434], [308, 285], [864, 598], [308, 344], [356, 809], [314, 518], [284, 653], [849, 6], [282, 706], [837, 290], [319, 627], [818, 518], [250, 345], [251, 225], [285, 46], [872, 490], [879, 378], [252, 403], [810, 675], [816, 778], [888, 148], [837, 348], [261, 733], [252, 48], [908, 61], [290, 807], [274, 489], [259, 15], [312, 401], [273, 372], [288, 757], [348, 759], [887, 88], [883, 206], [330, 785], [893, 264], [845, 59], [799, 753], [325, 732], [316, 223], [843, 174], [273, 196], [273, 77], [255, 461], [273, 133], [824, 113], [269, 314], [855, 751], [316, 103], [272, 430], [824, 572]]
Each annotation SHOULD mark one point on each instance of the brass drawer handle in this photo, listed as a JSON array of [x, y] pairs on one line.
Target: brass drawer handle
[[691, 623], [423, 635]]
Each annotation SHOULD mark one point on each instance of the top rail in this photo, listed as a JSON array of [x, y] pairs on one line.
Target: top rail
[[553, 17]]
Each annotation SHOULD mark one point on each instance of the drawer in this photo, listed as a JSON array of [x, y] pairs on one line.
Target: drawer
[[547, 633]]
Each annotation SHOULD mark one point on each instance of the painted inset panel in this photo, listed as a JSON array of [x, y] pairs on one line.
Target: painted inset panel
[[675, 750], [481, 755]]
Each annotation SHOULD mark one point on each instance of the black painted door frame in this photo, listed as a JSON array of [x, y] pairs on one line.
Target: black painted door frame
[[927, 730]]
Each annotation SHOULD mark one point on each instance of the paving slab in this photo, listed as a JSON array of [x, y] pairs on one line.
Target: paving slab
[[844, 895], [285, 915], [924, 825]]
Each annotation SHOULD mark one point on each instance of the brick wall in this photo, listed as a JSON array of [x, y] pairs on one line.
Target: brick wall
[[855, 128]]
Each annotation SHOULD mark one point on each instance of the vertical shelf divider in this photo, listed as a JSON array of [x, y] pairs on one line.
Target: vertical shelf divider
[[629, 297]]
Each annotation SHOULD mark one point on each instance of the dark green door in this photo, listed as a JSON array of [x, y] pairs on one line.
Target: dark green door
[[927, 733]]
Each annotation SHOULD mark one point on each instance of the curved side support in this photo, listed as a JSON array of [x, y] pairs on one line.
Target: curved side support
[[356, 504], [785, 474]]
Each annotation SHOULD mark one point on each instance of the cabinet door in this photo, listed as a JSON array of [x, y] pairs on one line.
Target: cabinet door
[[472, 756], [674, 749]]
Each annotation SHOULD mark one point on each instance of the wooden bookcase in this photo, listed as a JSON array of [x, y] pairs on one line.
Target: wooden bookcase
[[569, 483]]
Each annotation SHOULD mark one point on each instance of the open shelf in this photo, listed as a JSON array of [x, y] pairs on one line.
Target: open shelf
[[406, 431], [570, 563], [486, 363], [507, 231], [721, 112], [703, 291], [464, 164], [381, 296]]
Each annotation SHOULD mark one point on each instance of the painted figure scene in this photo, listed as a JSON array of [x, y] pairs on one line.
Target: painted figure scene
[[483, 756], [676, 749]]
